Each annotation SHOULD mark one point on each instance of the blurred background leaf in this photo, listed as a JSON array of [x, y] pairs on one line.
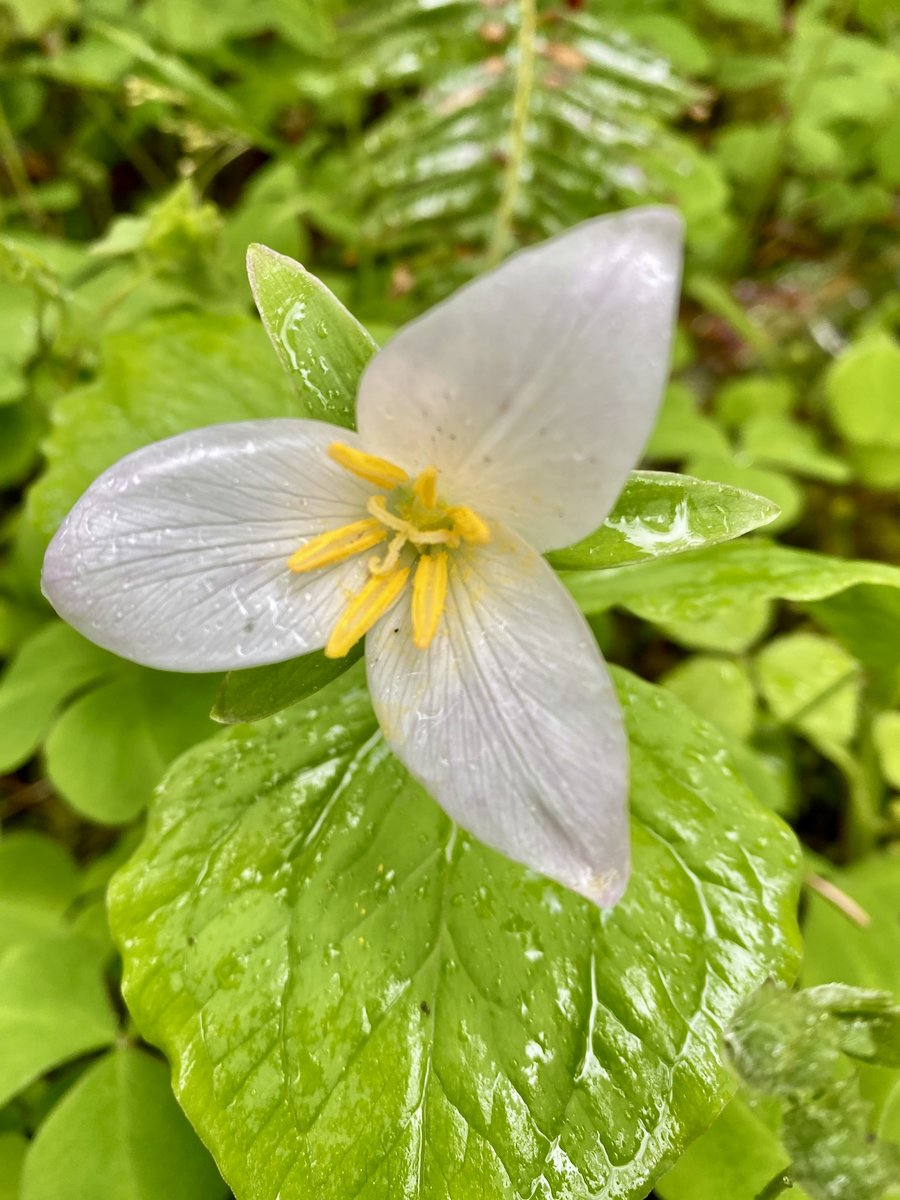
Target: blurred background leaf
[[396, 149]]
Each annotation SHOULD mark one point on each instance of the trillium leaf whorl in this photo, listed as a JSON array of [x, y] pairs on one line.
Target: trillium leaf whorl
[[500, 425]]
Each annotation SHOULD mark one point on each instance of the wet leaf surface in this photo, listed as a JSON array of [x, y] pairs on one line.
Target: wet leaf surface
[[361, 1001]]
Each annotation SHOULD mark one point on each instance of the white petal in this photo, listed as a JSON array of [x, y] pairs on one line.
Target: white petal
[[534, 389], [176, 557], [509, 718]]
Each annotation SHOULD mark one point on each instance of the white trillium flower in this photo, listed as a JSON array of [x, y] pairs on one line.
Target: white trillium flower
[[500, 425]]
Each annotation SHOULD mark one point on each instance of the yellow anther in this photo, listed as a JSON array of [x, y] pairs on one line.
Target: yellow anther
[[469, 526], [374, 470], [429, 596], [337, 544], [364, 610], [425, 487]]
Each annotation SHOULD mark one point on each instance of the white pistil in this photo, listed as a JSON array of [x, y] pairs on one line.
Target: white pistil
[[386, 564], [377, 506]]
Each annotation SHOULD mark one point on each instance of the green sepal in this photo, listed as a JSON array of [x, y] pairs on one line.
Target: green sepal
[[320, 344], [258, 692], [658, 513]]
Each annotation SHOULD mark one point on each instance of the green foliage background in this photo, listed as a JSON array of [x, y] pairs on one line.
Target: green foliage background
[[397, 149]]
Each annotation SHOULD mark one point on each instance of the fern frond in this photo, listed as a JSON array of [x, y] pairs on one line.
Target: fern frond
[[528, 118]]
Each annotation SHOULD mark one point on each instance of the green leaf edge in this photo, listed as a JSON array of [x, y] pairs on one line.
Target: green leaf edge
[[583, 555]]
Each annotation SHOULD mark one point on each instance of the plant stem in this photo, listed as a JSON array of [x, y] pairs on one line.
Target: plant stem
[[776, 1186], [149, 170], [518, 131], [18, 176], [715, 297]]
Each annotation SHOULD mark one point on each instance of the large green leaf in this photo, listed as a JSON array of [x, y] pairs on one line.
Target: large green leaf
[[659, 514], [119, 1135], [361, 1001], [320, 345]]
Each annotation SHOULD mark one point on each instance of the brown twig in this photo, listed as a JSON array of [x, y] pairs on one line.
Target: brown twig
[[834, 895]]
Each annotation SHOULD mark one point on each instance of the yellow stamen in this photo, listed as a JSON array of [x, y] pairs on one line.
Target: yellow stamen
[[337, 544], [469, 526], [374, 470], [425, 487], [381, 566], [364, 610], [429, 596]]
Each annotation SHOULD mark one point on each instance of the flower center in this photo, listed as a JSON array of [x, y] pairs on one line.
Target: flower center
[[420, 529]]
